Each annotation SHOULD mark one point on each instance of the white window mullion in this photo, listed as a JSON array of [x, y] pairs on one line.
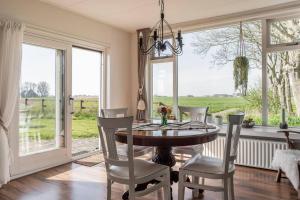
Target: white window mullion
[[265, 39], [175, 86]]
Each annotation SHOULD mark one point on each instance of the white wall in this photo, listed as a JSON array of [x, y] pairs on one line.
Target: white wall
[[134, 69], [47, 16]]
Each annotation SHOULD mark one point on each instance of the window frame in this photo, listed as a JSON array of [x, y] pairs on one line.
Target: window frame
[[281, 46], [266, 48]]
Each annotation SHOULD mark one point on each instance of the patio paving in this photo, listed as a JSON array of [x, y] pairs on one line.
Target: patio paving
[[79, 146]]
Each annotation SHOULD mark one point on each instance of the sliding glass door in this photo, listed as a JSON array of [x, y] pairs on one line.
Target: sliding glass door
[[59, 101], [86, 86], [41, 111], [41, 114]]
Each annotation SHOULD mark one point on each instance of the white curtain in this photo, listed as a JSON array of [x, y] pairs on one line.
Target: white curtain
[[11, 37]]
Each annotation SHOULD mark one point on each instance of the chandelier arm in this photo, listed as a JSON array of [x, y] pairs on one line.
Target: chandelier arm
[[176, 50], [147, 50], [176, 46]]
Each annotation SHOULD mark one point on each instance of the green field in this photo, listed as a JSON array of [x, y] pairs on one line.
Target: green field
[[37, 121], [217, 105]]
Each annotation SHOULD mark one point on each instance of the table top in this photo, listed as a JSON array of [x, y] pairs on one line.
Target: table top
[[170, 137]]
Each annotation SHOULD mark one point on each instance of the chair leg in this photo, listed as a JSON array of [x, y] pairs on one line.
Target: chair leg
[[278, 177], [108, 194], [181, 188], [131, 192], [225, 184], [231, 188], [201, 150], [167, 186], [195, 191]]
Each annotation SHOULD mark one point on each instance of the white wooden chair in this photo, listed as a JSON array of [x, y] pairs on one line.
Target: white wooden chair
[[214, 168], [129, 171], [196, 114], [122, 112]]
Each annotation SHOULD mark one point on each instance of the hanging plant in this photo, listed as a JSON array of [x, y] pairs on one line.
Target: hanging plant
[[240, 73], [241, 67]]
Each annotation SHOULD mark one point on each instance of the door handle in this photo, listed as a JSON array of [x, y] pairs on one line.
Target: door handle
[[71, 104]]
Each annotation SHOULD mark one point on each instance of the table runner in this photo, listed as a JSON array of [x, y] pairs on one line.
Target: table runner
[[172, 126]]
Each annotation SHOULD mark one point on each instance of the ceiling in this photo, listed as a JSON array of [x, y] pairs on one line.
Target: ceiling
[[131, 15]]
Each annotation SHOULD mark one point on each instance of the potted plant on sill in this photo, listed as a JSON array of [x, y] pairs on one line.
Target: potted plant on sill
[[248, 123], [209, 118]]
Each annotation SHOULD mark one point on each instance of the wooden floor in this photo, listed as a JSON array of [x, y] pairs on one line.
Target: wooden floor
[[77, 182]]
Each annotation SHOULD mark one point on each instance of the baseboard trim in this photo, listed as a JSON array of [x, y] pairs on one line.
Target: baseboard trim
[[16, 176]]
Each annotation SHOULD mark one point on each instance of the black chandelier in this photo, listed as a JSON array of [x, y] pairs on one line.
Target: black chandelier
[[156, 40]]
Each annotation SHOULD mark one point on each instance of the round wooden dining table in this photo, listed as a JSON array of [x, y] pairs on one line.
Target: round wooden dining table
[[164, 140]]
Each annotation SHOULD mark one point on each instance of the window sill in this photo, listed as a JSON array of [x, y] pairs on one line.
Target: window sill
[[262, 133]]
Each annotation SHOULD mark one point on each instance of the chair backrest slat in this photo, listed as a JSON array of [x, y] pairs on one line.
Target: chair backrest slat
[[107, 128], [232, 139], [196, 113], [114, 112]]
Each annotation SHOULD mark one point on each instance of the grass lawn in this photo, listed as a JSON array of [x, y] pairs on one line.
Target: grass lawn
[[84, 128], [45, 129], [217, 105], [36, 123]]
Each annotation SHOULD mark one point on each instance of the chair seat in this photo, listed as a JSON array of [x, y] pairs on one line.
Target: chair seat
[[137, 150], [142, 169], [204, 164], [192, 150]]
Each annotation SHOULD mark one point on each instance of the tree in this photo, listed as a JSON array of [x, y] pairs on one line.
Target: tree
[[28, 90], [222, 43], [43, 89]]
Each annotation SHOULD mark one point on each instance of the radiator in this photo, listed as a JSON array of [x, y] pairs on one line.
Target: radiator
[[251, 152]]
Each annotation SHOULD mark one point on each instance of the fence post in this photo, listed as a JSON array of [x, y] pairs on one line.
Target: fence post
[[81, 105], [43, 105]]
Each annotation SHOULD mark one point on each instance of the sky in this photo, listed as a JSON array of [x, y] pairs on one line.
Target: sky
[[38, 64], [196, 75]]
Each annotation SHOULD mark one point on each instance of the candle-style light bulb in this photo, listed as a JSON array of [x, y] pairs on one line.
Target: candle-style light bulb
[[141, 35], [179, 34], [141, 39], [155, 36]]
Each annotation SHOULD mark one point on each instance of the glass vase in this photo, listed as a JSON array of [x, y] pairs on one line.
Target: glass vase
[[164, 120]]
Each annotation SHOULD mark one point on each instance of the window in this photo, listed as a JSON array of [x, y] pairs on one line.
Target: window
[[283, 90], [162, 86], [204, 73], [284, 31], [283, 71], [86, 84], [41, 110]]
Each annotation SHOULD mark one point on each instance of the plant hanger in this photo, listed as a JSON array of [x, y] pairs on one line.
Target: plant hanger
[[241, 49], [241, 66]]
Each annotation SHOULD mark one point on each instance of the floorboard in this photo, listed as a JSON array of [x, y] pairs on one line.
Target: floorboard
[[78, 182]]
